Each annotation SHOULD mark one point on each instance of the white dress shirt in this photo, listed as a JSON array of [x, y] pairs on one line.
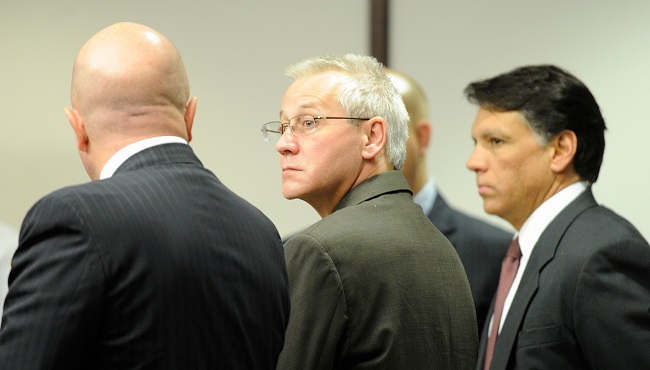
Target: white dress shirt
[[128, 151]]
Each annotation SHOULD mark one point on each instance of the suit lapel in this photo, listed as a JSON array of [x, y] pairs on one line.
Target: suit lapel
[[543, 252]]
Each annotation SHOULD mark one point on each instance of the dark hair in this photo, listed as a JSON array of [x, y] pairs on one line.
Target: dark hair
[[551, 100]]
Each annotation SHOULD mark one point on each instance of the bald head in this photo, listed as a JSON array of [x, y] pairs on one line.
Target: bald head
[[415, 168], [127, 66], [128, 84], [412, 94]]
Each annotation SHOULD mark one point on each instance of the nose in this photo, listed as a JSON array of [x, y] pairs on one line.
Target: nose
[[287, 143], [474, 162]]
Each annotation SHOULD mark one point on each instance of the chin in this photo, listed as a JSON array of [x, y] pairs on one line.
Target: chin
[[491, 209], [290, 193]]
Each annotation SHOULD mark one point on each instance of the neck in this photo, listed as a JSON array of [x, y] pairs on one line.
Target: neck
[[561, 182], [420, 179], [328, 206]]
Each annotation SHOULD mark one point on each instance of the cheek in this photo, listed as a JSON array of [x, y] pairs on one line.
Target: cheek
[[324, 162], [343, 159], [509, 177], [525, 179]]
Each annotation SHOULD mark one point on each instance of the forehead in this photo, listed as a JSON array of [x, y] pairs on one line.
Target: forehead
[[489, 122], [318, 93]]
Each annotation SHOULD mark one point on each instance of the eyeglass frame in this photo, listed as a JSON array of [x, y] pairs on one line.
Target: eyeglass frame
[[285, 125]]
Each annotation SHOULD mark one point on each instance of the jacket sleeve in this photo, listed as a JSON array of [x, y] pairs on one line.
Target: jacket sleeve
[[613, 306], [317, 332], [53, 309]]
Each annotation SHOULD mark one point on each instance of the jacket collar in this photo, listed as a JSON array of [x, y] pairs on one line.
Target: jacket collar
[[385, 182], [160, 154]]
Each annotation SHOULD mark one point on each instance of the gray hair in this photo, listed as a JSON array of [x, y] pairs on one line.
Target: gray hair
[[366, 92]]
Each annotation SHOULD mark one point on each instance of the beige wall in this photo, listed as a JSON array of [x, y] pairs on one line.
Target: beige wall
[[447, 44], [235, 53]]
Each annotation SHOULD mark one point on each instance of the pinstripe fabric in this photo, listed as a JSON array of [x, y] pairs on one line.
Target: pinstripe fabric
[[158, 267]]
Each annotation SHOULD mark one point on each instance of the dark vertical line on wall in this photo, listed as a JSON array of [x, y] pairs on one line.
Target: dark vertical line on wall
[[379, 30]]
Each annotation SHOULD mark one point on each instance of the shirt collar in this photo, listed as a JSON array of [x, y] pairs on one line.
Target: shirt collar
[[128, 151], [427, 196], [537, 222]]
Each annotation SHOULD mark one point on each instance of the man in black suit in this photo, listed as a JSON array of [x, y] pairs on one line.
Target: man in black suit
[[580, 294], [156, 264], [479, 245]]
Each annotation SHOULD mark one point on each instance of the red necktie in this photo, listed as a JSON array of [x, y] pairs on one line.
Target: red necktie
[[508, 272]]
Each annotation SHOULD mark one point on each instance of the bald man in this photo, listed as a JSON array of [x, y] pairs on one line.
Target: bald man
[[480, 246], [155, 264]]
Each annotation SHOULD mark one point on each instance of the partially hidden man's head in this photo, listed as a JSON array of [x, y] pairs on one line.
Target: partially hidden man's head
[[417, 145]]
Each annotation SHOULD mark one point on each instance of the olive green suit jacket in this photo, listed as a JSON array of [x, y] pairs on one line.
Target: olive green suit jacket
[[375, 285]]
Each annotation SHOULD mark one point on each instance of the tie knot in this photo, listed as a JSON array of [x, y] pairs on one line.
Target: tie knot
[[514, 251]]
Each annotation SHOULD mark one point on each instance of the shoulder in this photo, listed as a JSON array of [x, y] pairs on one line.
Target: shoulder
[[59, 202], [315, 242], [600, 226], [64, 213], [595, 238], [386, 228], [612, 286], [609, 243]]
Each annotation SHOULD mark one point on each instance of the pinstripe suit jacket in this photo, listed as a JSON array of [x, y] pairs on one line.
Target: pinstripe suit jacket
[[584, 299], [158, 267], [375, 285]]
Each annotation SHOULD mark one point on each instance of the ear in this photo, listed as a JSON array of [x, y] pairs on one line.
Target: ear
[[564, 147], [190, 111], [78, 127], [422, 131], [375, 138]]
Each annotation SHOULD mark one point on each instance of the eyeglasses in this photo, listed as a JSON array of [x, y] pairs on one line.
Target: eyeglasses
[[299, 125]]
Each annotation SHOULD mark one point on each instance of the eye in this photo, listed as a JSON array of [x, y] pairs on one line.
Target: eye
[[495, 141], [308, 123]]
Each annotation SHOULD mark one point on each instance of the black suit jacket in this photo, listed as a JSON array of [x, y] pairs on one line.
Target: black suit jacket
[[158, 267], [584, 298], [481, 248]]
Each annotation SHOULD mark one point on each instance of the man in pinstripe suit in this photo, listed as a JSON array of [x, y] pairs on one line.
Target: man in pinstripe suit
[[157, 264]]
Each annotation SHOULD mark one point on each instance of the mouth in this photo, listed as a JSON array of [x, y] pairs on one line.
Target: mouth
[[483, 189], [288, 170]]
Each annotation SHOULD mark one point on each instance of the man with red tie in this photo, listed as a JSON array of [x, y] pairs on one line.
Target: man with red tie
[[574, 291]]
